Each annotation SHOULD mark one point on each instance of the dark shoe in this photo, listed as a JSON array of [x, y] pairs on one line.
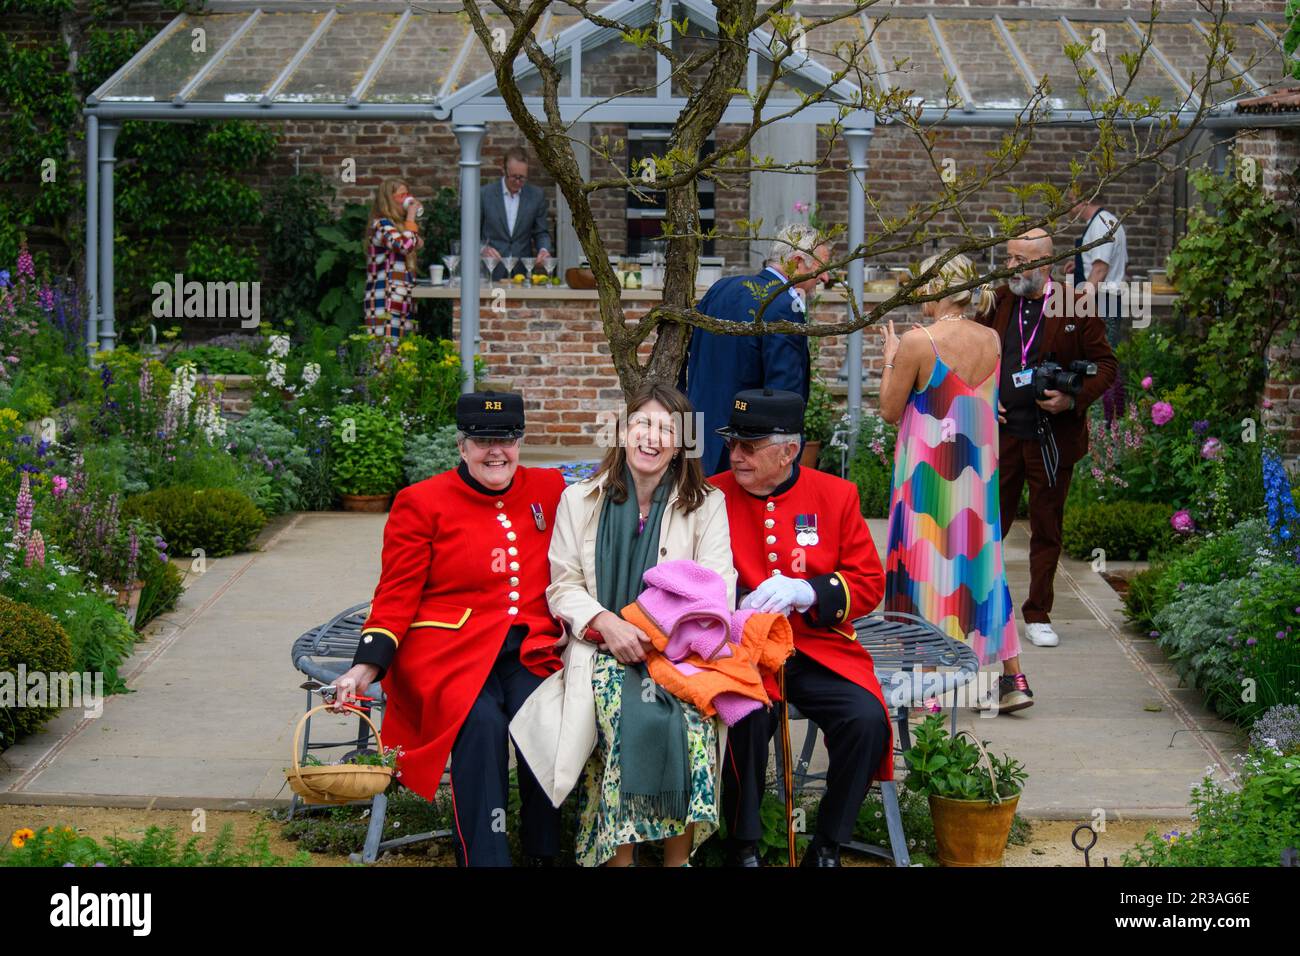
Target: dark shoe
[[822, 856], [1014, 693], [744, 854]]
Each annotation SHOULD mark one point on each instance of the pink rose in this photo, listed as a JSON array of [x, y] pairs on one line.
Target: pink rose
[[1146, 383], [1211, 449], [1162, 413], [1182, 522], [1268, 403]]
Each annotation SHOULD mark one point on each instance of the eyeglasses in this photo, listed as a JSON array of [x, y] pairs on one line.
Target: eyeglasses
[[748, 447], [517, 177], [494, 442]]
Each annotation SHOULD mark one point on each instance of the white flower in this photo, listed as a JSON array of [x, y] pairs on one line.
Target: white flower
[[311, 374], [278, 346], [275, 373], [50, 586]]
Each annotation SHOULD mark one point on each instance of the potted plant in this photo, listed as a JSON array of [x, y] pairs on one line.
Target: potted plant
[[366, 449], [817, 420], [973, 795]]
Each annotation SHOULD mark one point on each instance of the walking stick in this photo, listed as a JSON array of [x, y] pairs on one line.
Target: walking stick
[[788, 770]]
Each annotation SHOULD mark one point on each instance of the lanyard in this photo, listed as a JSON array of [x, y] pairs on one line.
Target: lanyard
[[1020, 320]]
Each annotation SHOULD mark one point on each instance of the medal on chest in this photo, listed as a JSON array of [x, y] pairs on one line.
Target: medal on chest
[[805, 530], [538, 518]]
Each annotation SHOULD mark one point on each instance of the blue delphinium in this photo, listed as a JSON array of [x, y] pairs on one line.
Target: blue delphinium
[[1279, 504]]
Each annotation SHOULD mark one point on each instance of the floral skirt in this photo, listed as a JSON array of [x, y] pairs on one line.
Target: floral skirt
[[603, 825]]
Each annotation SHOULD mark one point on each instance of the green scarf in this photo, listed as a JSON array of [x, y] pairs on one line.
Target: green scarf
[[654, 762]]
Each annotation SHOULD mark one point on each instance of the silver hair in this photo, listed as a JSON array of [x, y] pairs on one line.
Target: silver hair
[[791, 439], [794, 239]]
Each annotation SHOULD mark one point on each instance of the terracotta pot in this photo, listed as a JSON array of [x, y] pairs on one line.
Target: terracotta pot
[[128, 599], [367, 503], [972, 832], [811, 451]]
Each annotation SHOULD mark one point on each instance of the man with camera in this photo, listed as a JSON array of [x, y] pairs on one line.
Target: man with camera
[[1055, 363]]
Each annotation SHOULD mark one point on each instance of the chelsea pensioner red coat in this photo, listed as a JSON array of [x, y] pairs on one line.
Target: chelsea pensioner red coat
[[460, 568], [842, 567]]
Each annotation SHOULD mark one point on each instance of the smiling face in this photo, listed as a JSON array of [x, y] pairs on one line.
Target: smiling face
[[760, 465], [491, 465], [652, 439]]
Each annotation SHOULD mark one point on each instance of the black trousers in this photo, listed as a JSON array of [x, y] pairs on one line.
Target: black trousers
[[856, 728], [480, 772]]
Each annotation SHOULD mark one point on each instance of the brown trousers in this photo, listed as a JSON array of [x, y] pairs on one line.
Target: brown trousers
[[1021, 460]]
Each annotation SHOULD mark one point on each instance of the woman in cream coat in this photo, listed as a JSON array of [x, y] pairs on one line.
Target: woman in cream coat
[[659, 484]]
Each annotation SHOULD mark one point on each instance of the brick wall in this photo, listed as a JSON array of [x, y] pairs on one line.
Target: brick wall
[[1278, 152]]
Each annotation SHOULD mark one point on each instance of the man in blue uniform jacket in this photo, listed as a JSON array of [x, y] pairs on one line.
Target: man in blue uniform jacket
[[719, 366]]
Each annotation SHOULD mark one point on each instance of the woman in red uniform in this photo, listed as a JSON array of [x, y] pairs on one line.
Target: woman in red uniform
[[460, 632]]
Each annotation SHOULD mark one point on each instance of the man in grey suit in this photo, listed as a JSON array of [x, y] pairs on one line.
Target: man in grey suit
[[513, 218]]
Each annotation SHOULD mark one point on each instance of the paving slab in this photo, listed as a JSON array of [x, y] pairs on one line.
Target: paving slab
[[214, 697]]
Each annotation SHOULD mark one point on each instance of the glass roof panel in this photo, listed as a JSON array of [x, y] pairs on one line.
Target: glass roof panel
[[478, 63], [912, 59], [1189, 53], [1258, 54], [254, 62], [340, 59], [1151, 79], [985, 62], [418, 66], [166, 70], [1043, 44], [617, 66], [698, 38]]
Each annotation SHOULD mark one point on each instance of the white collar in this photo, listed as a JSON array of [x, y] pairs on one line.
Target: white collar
[[792, 291]]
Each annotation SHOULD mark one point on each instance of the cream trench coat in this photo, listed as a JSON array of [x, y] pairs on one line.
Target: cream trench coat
[[555, 729]]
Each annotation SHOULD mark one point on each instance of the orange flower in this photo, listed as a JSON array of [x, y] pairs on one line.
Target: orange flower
[[21, 836]]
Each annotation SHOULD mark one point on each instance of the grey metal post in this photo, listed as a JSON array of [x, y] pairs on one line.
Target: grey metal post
[[470, 139], [107, 141], [857, 140], [92, 231]]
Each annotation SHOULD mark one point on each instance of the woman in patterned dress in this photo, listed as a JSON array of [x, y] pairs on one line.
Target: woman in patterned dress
[[944, 561], [391, 262], [654, 774]]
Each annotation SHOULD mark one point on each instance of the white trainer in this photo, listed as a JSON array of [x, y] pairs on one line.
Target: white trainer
[[1042, 635]]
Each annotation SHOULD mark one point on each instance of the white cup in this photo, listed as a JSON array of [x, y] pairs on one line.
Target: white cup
[[435, 273]]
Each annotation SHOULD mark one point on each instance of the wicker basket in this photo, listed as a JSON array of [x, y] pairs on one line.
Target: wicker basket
[[338, 783]]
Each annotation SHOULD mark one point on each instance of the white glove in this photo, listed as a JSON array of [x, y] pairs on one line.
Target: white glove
[[777, 595]]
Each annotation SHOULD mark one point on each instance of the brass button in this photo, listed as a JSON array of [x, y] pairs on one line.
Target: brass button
[[771, 556], [514, 565], [771, 539], [512, 551], [512, 611], [769, 523], [367, 639], [771, 506], [501, 504]]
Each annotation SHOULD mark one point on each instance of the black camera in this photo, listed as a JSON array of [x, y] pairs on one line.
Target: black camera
[[1067, 379]]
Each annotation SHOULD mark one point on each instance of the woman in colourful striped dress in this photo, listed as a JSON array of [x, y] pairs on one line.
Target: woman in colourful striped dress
[[944, 561], [391, 261]]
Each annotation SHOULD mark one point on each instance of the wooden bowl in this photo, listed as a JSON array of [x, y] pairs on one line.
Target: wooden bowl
[[580, 278]]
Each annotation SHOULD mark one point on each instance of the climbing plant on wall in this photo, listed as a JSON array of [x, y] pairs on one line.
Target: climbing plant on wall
[[182, 202]]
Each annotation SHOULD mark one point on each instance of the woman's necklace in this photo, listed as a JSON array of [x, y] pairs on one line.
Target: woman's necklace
[[951, 317]]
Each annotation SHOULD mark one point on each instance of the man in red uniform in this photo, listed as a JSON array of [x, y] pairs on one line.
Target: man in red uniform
[[460, 631], [801, 547]]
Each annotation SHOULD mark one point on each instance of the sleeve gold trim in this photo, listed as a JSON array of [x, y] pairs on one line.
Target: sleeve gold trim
[[380, 630]]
